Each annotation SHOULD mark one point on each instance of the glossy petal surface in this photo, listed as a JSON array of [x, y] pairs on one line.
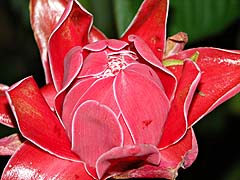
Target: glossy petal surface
[[220, 79], [94, 64], [112, 44], [96, 35], [36, 121], [144, 112], [9, 144], [72, 65], [147, 71], [150, 24], [191, 154], [101, 91], [30, 162], [44, 15], [120, 159], [172, 158], [71, 100], [72, 30], [148, 57], [176, 124], [95, 131], [49, 93], [6, 116]]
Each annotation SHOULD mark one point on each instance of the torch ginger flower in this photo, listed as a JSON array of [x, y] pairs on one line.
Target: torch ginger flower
[[114, 108]]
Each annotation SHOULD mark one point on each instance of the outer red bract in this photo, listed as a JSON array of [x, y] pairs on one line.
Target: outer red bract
[[113, 108]]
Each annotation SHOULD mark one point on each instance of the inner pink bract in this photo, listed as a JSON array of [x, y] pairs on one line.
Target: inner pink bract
[[118, 61]]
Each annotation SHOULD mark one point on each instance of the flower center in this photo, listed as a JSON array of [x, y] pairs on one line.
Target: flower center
[[118, 61]]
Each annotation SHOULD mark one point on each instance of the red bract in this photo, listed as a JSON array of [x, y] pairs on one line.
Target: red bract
[[6, 117], [114, 108], [9, 144]]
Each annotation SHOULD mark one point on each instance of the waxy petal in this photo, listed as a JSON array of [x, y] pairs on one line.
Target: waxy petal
[[6, 116], [72, 65], [9, 144], [96, 35], [181, 154], [49, 92], [36, 121], [150, 24], [127, 136], [175, 68], [172, 158], [176, 124], [72, 30], [144, 112], [95, 131], [30, 162], [145, 51], [147, 71], [168, 80], [44, 15], [219, 82], [101, 91], [112, 44], [70, 101], [120, 159], [191, 154], [94, 64], [73, 62]]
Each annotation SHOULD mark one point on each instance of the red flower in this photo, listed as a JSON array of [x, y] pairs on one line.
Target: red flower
[[114, 108]]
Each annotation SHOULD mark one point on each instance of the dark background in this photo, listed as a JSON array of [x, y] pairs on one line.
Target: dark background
[[217, 134]]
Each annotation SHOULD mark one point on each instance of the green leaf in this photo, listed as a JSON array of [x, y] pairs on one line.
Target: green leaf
[[202, 18], [20, 7], [87, 4], [233, 172], [234, 105], [172, 62], [124, 11]]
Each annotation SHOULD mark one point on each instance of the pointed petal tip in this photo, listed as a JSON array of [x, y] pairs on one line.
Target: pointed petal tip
[[9, 144], [151, 27], [35, 116], [69, 32], [177, 123]]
